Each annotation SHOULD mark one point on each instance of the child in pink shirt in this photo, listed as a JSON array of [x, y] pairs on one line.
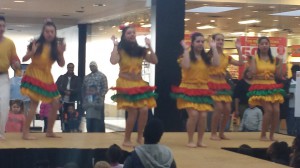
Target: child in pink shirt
[[16, 117]]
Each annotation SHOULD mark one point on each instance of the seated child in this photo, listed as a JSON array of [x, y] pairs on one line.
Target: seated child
[[16, 118], [252, 119], [72, 119]]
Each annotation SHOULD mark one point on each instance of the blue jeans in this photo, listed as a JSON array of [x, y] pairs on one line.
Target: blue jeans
[[95, 125], [292, 122]]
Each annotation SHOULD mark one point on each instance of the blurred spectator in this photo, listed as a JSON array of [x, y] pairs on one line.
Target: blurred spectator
[[252, 119], [151, 154], [114, 155], [246, 150], [279, 152], [295, 155], [94, 90], [293, 123], [102, 164], [240, 94], [16, 117], [45, 108], [69, 86], [72, 120]]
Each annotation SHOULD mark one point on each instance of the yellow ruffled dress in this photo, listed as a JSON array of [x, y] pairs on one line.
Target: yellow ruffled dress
[[38, 83], [193, 91], [132, 93], [264, 88], [217, 81]]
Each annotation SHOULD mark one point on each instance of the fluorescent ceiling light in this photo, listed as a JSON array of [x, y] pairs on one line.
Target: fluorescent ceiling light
[[146, 25], [238, 33], [186, 19], [270, 30], [19, 1], [212, 9], [289, 13], [249, 21], [206, 27]]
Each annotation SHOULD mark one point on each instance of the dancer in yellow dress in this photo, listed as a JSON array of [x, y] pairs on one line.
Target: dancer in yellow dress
[[38, 83], [133, 93], [264, 91], [222, 97], [193, 93]]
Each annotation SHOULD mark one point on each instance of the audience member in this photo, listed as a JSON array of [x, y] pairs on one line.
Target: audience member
[[240, 94], [114, 155], [45, 108], [94, 90], [293, 123], [151, 154], [102, 164], [72, 120], [295, 155], [279, 152], [246, 150], [252, 119], [16, 117], [69, 86]]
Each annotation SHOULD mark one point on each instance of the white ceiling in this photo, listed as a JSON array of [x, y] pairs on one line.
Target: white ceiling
[[28, 16]]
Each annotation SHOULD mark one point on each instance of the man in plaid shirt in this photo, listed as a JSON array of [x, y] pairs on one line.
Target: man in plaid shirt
[[94, 90]]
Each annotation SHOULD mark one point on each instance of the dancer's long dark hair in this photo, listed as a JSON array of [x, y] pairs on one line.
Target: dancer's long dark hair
[[41, 41], [131, 48], [203, 54], [269, 51]]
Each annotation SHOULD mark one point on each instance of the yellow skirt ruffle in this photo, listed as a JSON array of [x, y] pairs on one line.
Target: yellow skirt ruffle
[[182, 104], [259, 100], [222, 98], [124, 104], [37, 97]]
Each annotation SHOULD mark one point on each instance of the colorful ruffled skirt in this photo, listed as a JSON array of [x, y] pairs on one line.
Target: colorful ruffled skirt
[[260, 93], [134, 94], [194, 96], [38, 84], [221, 89]]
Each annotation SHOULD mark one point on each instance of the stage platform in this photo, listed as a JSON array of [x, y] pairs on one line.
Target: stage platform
[[214, 156]]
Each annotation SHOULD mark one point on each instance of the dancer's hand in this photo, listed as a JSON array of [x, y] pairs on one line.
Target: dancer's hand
[[183, 44], [238, 43], [148, 42], [34, 47], [114, 39], [61, 47], [212, 44]]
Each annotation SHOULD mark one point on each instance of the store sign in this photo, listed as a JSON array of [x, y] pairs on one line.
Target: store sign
[[295, 50]]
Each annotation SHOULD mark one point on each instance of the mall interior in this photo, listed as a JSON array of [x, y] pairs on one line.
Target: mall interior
[[87, 27]]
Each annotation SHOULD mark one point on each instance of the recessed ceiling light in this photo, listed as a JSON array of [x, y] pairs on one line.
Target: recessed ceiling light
[[146, 25], [6, 8], [255, 11], [113, 26], [238, 33], [196, 13], [186, 19], [272, 7], [98, 5], [250, 6], [249, 21], [19, 1], [212, 21], [296, 17], [206, 27], [229, 18], [270, 30], [205, 4], [198, 23], [275, 20], [212, 9], [142, 23]]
